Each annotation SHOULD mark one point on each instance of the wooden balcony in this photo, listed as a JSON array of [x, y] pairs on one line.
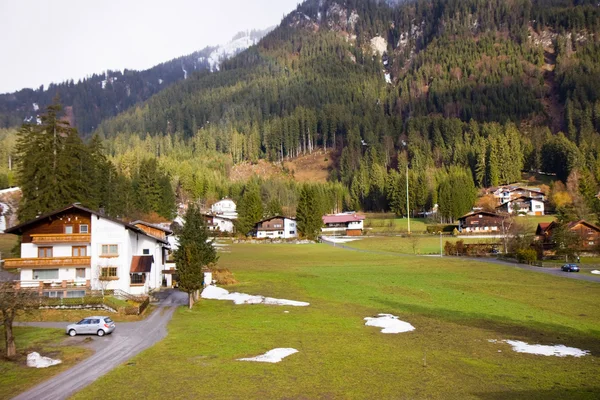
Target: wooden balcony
[[43, 263], [61, 238]]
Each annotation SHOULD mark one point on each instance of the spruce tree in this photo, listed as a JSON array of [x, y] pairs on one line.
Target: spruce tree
[[309, 216], [194, 253]]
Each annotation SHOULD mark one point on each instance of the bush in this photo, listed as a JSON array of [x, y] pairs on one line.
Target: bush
[[449, 248], [223, 276], [528, 256]]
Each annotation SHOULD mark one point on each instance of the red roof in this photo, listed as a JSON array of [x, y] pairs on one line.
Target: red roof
[[342, 218]]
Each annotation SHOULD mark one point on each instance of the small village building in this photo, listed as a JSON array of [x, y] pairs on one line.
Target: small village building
[[504, 194], [277, 227], [523, 205], [66, 252], [588, 233], [348, 223], [480, 222], [218, 223], [225, 208]]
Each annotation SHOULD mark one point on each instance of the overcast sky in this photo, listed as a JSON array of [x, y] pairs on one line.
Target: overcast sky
[[47, 41]]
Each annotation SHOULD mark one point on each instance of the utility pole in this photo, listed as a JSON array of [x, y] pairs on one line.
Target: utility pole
[[407, 201], [441, 248]]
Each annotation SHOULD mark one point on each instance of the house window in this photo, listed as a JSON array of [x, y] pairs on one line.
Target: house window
[[54, 293], [138, 279], [276, 225], [110, 250], [45, 274], [45, 252], [146, 251], [83, 228], [591, 242], [538, 207], [480, 216], [109, 272], [76, 293], [292, 232], [79, 251], [69, 229], [80, 273], [280, 232]]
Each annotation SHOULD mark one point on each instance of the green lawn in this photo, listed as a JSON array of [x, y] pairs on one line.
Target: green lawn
[[455, 305], [16, 377], [392, 225], [416, 244], [7, 242]]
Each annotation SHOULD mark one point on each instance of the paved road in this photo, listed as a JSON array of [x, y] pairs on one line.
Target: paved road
[[129, 339], [544, 270]]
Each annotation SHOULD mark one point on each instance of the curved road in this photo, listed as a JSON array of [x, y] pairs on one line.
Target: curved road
[[544, 270], [129, 339]]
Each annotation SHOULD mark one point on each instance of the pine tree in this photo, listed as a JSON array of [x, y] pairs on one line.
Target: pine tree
[[250, 209], [309, 214], [194, 253]]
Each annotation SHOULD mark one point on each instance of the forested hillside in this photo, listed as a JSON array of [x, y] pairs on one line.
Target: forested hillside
[[462, 93], [103, 95]]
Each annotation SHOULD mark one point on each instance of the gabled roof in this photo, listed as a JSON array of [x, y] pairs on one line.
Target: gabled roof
[[533, 190], [141, 263], [488, 213], [274, 217], [544, 227], [18, 229], [342, 218], [211, 215], [573, 224], [160, 228]]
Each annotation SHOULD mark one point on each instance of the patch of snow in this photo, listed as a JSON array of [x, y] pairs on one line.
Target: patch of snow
[[10, 190], [340, 239], [38, 120], [3, 210], [35, 106], [388, 77], [103, 83], [216, 293], [390, 324], [378, 45], [160, 81], [352, 20], [596, 272], [35, 360], [272, 356], [184, 72], [544, 350]]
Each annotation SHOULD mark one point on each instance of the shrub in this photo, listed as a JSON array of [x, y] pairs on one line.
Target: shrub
[[449, 248], [528, 256], [460, 247], [223, 276]]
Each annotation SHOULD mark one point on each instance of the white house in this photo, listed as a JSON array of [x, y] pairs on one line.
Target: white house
[[523, 206], [277, 227], [73, 249], [225, 208], [218, 223], [348, 223]]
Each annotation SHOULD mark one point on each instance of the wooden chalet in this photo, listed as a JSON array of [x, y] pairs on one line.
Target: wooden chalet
[[588, 233], [480, 222]]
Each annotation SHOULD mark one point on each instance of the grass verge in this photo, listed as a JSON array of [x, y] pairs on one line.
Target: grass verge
[[16, 377]]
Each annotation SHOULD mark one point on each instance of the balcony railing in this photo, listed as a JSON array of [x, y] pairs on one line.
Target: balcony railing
[[54, 284], [50, 262], [61, 238]]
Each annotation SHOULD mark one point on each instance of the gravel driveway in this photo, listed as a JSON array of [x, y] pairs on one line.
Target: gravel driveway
[[129, 339]]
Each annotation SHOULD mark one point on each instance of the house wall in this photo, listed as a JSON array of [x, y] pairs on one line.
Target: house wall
[[224, 225], [480, 223], [56, 224], [277, 228], [108, 232], [590, 238]]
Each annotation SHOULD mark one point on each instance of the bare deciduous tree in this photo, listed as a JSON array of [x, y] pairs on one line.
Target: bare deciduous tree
[[11, 301]]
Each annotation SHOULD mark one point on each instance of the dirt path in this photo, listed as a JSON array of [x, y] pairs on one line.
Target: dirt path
[[128, 340]]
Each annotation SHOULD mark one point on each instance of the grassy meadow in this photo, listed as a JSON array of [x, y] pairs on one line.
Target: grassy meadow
[[416, 244], [16, 377], [7, 242], [456, 306]]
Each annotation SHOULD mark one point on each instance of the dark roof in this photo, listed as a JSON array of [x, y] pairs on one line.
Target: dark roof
[[160, 228], [544, 227], [141, 263], [491, 214], [211, 215], [274, 217], [18, 229]]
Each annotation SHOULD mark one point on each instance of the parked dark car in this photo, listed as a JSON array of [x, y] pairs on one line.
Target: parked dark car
[[570, 268]]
